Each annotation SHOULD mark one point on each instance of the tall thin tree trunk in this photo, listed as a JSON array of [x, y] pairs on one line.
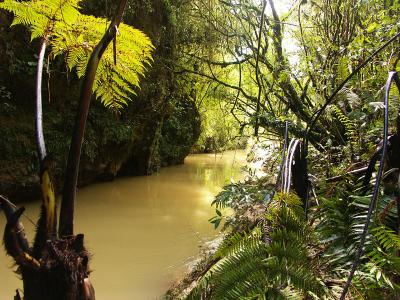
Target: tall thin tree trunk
[[41, 147]]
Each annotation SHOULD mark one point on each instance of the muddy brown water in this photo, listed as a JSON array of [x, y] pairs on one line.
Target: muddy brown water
[[142, 231]]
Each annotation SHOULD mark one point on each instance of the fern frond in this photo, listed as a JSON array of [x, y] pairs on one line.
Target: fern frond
[[349, 125], [114, 84], [40, 16], [287, 245], [238, 272], [299, 276], [74, 35], [238, 241], [386, 237]]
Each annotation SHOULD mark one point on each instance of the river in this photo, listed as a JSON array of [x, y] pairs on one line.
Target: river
[[143, 230]]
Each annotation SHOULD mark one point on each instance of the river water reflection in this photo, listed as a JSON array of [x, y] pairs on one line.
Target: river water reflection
[[143, 230]]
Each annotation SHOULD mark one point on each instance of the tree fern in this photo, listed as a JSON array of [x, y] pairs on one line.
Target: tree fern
[[74, 35]]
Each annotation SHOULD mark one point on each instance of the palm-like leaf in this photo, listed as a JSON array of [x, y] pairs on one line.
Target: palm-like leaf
[[249, 268], [74, 35]]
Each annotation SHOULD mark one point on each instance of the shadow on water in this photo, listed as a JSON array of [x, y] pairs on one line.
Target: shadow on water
[[143, 230]]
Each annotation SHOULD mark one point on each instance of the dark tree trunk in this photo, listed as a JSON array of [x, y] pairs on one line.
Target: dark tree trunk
[[300, 175], [63, 272]]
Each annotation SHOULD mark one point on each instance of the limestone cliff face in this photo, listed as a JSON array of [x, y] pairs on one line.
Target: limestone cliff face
[[157, 129]]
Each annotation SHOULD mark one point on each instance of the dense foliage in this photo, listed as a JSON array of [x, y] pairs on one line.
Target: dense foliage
[[293, 66], [265, 66]]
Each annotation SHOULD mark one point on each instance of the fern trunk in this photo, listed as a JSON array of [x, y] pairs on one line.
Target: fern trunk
[[71, 174], [41, 147], [63, 272], [53, 268]]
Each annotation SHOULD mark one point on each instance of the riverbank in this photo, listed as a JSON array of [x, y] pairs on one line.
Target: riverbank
[[245, 200]]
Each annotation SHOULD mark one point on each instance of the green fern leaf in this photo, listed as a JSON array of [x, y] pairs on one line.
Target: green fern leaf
[[75, 35]]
